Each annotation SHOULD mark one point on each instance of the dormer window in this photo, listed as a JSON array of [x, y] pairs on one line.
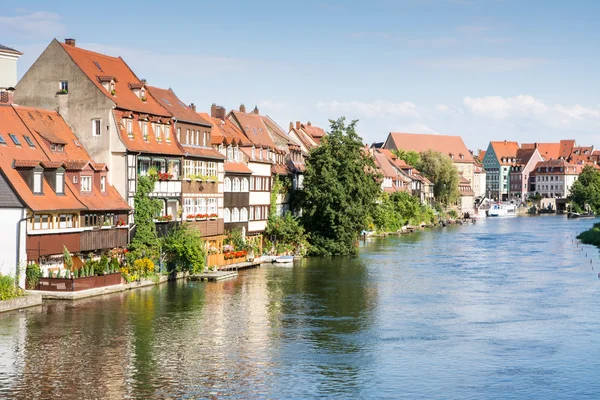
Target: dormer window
[[37, 182], [260, 154], [230, 153], [451, 156], [143, 94], [57, 147], [158, 132], [14, 139], [167, 133], [60, 182], [129, 126], [103, 184], [112, 88], [253, 153], [86, 183], [236, 153], [145, 131]]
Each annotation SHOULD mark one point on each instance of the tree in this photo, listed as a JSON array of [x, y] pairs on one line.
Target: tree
[[288, 232], [67, 257], [340, 190], [184, 247], [586, 189], [145, 239], [440, 170], [411, 157]]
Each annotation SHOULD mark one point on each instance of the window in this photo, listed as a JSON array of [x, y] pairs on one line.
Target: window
[[187, 136], [253, 153], [244, 214], [188, 168], [167, 133], [211, 168], [65, 220], [160, 164], [251, 183], [204, 137], [37, 182], [200, 168], [173, 168], [29, 141], [60, 183], [196, 138], [179, 135], [235, 215], [230, 153], [145, 131], [86, 183], [226, 215], [244, 184], [96, 127], [188, 207], [251, 213], [201, 206], [75, 179], [236, 153], [64, 86], [212, 206], [143, 166], [2, 141], [258, 183], [14, 139], [236, 185], [227, 184], [42, 221], [158, 132], [103, 184], [129, 125], [257, 213]]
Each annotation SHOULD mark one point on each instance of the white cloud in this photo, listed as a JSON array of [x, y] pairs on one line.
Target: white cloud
[[34, 24], [481, 64], [416, 128], [379, 108]]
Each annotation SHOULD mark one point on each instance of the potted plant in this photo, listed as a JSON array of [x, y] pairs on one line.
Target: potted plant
[[143, 99], [213, 216], [164, 218], [190, 217], [212, 178], [113, 92], [121, 222], [63, 91], [106, 225]]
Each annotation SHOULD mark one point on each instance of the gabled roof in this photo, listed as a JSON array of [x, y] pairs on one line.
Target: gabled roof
[[95, 64], [279, 136], [254, 128], [137, 142], [384, 165], [224, 132], [178, 109], [568, 168], [6, 49], [547, 150], [204, 152], [237, 168], [505, 151], [420, 142], [566, 148], [315, 132], [524, 155]]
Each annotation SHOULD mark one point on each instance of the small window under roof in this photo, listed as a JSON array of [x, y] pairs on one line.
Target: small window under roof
[[98, 65], [29, 141], [14, 139], [2, 141], [76, 143], [166, 101], [182, 104]]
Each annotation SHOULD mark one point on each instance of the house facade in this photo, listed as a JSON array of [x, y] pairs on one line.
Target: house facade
[[497, 162], [554, 178], [13, 217], [520, 172], [113, 115], [8, 69]]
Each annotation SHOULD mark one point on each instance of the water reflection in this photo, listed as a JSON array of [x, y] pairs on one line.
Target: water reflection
[[500, 309]]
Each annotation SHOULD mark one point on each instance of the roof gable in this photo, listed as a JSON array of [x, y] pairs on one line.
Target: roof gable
[[452, 146], [254, 128], [177, 108]]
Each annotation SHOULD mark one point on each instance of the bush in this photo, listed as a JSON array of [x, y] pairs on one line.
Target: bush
[[591, 236], [143, 267], [8, 290], [184, 247], [33, 273]]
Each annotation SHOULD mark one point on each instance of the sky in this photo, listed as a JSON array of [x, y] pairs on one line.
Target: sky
[[523, 70]]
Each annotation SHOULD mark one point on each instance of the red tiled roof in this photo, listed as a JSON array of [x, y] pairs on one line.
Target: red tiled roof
[[524, 155], [203, 152], [505, 151], [280, 169], [566, 147], [420, 142], [248, 152], [93, 64], [314, 131], [52, 164], [568, 168], [138, 144], [384, 164], [178, 109], [237, 168], [547, 150], [224, 131], [26, 163], [254, 128]]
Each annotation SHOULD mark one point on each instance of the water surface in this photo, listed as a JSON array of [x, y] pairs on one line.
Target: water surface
[[507, 308]]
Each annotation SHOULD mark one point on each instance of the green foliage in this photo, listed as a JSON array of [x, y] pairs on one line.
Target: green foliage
[[235, 239], [399, 209], [275, 190], [143, 266], [67, 257], [33, 273], [103, 265], [340, 191], [184, 247], [453, 214], [440, 170], [8, 289], [411, 157], [114, 265], [145, 239], [289, 234], [591, 236], [586, 189], [76, 273]]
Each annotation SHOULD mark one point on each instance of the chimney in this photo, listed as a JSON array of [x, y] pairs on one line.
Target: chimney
[[291, 126], [535, 145], [298, 125], [217, 112], [242, 108], [70, 42], [255, 111], [7, 96], [143, 80], [193, 107], [308, 123], [213, 110]]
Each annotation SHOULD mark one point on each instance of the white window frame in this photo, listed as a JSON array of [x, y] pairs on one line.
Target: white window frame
[[235, 215], [188, 206], [67, 223], [96, 127], [37, 182], [86, 183], [251, 216], [251, 183], [167, 133], [227, 184], [103, 184], [129, 127], [200, 205], [60, 183], [226, 215], [244, 187], [244, 214], [212, 206], [236, 185]]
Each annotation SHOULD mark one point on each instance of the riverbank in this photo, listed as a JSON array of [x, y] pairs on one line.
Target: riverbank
[[591, 236]]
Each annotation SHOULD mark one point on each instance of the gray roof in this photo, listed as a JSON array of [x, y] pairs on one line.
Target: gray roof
[[8, 198], [6, 48]]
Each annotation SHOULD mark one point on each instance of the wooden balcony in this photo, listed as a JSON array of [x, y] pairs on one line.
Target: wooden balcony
[[164, 188], [98, 239], [199, 187], [209, 227], [52, 243]]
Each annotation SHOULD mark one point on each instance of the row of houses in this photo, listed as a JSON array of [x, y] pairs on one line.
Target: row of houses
[[80, 128]]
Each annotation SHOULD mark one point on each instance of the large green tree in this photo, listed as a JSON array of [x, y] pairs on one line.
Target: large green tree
[[184, 247], [145, 239], [440, 170], [340, 190], [586, 189], [411, 157]]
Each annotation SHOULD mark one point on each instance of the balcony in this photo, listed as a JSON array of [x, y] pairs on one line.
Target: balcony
[[103, 239], [200, 187], [209, 227], [167, 188]]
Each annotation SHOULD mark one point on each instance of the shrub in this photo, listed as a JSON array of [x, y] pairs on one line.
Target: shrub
[[33, 273], [8, 290], [143, 266]]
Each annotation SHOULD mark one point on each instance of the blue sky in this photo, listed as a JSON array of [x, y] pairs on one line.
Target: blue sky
[[486, 70]]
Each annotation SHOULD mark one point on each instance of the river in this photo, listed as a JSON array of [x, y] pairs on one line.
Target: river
[[504, 309]]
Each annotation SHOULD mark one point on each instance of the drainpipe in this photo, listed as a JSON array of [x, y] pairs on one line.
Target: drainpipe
[[20, 273]]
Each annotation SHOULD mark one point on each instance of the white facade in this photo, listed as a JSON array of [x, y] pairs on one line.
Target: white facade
[[13, 236], [555, 185], [479, 178], [8, 69], [257, 197]]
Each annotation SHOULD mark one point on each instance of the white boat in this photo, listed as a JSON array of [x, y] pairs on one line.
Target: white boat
[[502, 210], [284, 259], [268, 259]]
